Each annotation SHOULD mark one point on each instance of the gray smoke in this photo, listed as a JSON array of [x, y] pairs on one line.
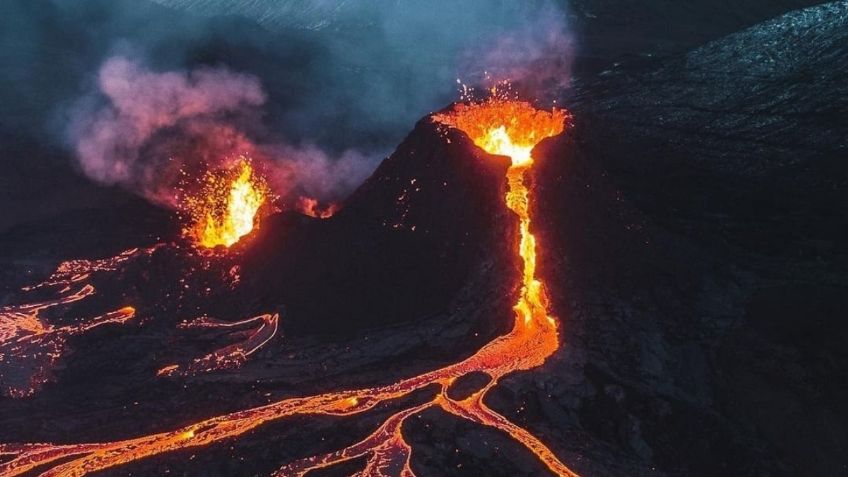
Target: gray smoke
[[321, 91], [110, 140]]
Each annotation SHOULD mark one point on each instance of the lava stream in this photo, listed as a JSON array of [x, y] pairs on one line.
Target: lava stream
[[228, 357], [498, 126], [30, 346]]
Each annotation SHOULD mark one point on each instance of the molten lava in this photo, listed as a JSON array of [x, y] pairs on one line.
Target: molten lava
[[31, 345], [225, 207], [499, 126], [512, 128], [228, 357], [312, 208], [505, 127]]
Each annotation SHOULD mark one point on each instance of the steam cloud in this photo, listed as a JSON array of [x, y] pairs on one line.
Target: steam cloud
[[110, 140], [322, 114], [535, 55], [149, 126]]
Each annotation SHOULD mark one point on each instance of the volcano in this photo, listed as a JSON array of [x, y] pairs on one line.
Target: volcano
[[438, 172], [649, 284]]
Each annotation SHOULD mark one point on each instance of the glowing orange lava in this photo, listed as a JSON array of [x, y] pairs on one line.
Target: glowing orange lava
[[498, 126], [512, 128], [311, 207], [225, 207], [30, 345], [505, 127], [228, 357]]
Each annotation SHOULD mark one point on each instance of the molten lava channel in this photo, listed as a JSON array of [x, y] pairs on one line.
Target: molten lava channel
[[498, 126]]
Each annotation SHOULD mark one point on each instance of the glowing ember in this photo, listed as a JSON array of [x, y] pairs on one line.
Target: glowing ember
[[225, 207], [311, 207], [498, 126]]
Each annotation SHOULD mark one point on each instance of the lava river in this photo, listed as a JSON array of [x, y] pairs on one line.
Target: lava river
[[498, 126], [30, 346]]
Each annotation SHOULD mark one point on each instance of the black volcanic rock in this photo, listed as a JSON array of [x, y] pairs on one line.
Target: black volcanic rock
[[692, 237], [757, 113], [403, 245], [611, 31]]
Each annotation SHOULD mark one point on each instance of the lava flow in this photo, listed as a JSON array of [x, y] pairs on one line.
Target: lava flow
[[30, 346], [228, 357], [225, 207], [499, 126]]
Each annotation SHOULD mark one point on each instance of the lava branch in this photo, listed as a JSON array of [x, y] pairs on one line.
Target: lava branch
[[474, 409], [228, 357], [33, 347], [498, 126], [389, 454], [29, 345]]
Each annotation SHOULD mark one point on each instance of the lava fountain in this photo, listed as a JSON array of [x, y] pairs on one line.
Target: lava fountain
[[225, 206], [498, 126], [512, 128]]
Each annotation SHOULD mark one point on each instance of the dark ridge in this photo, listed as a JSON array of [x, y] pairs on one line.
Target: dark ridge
[[399, 250]]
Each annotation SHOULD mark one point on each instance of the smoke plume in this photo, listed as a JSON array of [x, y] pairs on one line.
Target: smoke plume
[[143, 129], [535, 55], [321, 104], [116, 141]]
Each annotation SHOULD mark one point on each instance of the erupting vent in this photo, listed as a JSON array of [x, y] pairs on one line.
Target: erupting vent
[[505, 127], [225, 207]]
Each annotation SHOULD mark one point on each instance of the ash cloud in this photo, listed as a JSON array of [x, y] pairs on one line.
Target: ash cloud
[[387, 63], [141, 129], [339, 83], [309, 171], [535, 55], [116, 143]]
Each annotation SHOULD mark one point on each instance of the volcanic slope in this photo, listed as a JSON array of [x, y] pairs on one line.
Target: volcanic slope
[[698, 210], [403, 248]]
